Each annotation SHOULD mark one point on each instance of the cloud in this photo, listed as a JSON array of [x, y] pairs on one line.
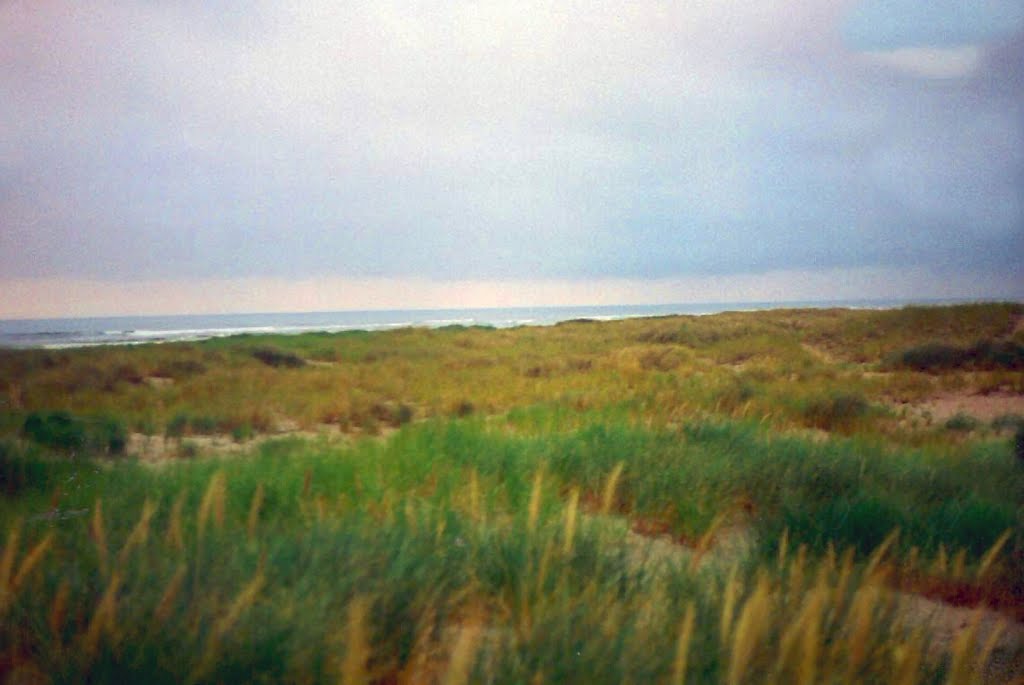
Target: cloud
[[494, 141], [931, 62]]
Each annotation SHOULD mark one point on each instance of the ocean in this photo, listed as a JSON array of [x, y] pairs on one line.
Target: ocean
[[128, 330]]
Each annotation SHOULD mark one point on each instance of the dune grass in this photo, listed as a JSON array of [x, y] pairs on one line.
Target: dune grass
[[686, 499]]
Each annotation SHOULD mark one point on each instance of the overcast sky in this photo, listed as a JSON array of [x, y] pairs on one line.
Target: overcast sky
[[220, 155]]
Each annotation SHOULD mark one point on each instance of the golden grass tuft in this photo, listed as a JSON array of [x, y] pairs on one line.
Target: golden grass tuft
[[959, 564], [796, 572], [243, 601], [733, 588], [783, 548], [750, 631], [58, 611], [353, 670], [610, 485], [990, 557], [907, 660], [166, 604], [811, 637], [7, 565], [875, 560], [963, 654], [571, 511], [474, 495], [858, 625], [175, 537], [104, 618], [212, 505], [533, 510], [30, 561], [461, 660], [99, 537], [704, 543], [941, 564], [139, 534], [683, 646], [254, 512]]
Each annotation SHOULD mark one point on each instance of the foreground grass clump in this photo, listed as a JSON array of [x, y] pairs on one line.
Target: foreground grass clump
[[456, 551]]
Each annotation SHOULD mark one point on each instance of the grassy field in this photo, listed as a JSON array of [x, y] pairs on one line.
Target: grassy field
[[784, 496]]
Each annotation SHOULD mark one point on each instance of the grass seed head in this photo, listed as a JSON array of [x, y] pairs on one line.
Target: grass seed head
[[570, 521], [254, 512], [750, 630], [99, 537], [990, 557], [533, 510], [30, 561], [608, 496], [683, 646]]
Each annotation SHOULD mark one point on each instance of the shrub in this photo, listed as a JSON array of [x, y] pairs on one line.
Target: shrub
[[242, 432], [463, 408], [62, 430], [962, 422], [18, 473], [1007, 422], [178, 425], [188, 450], [278, 358], [403, 414], [58, 429], [983, 355]]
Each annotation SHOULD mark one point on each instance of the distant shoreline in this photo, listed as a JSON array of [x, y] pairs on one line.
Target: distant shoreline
[[77, 332]]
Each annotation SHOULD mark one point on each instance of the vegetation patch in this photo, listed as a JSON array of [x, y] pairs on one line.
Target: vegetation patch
[[985, 355], [276, 358], [840, 411], [62, 430]]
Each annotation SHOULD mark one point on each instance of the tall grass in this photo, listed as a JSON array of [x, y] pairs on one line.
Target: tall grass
[[460, 550]]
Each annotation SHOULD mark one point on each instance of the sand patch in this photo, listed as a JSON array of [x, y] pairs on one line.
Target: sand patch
[[942, 623], [982, 407]]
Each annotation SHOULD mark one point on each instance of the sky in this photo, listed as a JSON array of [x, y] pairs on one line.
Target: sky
[[214, 156]]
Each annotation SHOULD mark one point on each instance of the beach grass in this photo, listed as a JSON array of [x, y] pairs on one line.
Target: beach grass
[[733, 498]]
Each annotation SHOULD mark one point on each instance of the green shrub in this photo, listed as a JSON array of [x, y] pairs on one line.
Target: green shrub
[[58, 430], [1007, 422], [17, 472], [278, 358], [188, 450], [61, 430], [178, 425], [463, 408], [242, 432], [984, 355], [961, 422]]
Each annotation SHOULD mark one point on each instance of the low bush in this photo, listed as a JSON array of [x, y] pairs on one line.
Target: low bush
[[962, 422], [278, 358], [62, 430], [18, 472], [984, 355]]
